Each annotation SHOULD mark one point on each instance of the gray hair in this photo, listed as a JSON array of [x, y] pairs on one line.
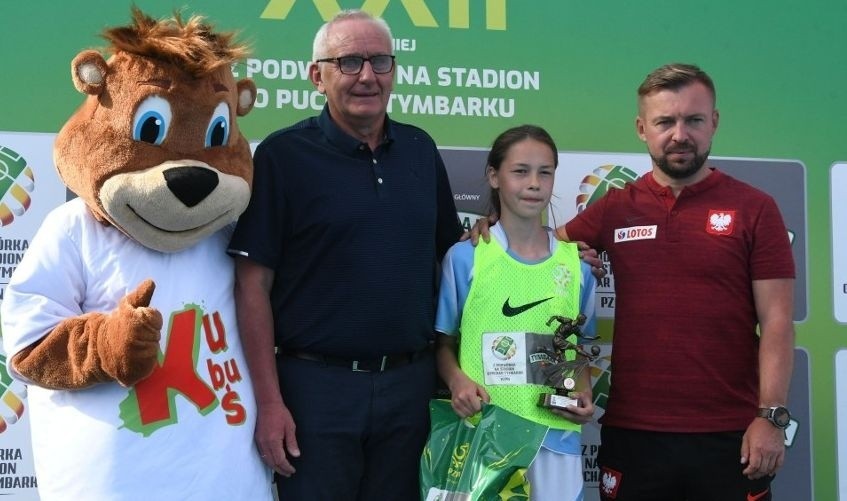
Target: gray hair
[[319, 47]]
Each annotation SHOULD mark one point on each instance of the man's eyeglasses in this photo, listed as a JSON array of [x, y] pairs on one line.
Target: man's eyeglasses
[[352, 65]]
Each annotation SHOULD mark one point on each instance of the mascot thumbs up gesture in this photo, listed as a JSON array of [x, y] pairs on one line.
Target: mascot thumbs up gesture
[[120, 316], [120, 346]]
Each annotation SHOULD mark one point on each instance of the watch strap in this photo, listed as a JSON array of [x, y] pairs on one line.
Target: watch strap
[[769, 414]]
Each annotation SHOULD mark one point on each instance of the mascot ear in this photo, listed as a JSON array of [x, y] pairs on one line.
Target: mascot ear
[[246, 96], [88, 71]]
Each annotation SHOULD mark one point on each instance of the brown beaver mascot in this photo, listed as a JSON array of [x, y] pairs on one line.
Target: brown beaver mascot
[[136, 393]]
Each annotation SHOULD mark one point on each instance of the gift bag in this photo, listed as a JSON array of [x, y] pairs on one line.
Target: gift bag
[[481, 458]]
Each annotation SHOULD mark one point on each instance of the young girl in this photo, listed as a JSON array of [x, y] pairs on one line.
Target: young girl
[[495, 294]]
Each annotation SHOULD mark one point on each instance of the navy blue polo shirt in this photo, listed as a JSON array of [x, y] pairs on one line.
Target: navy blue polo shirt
[[353, 236]]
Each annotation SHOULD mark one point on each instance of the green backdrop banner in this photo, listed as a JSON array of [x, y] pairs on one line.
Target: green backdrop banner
[[466, 70]]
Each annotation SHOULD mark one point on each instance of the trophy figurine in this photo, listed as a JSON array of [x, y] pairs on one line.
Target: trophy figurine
[[561, 373]]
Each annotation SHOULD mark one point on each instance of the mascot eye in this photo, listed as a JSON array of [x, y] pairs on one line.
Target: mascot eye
[[151, 120], [217, 133]]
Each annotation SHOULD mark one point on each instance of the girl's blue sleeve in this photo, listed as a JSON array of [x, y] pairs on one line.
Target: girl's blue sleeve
[[456, 276]]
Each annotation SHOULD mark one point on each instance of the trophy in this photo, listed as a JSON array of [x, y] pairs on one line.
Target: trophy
[[561, 373]]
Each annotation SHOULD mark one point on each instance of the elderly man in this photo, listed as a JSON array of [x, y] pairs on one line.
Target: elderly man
[[350, 213]]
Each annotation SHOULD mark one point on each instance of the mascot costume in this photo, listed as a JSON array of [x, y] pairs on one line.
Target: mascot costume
[[138, 393]]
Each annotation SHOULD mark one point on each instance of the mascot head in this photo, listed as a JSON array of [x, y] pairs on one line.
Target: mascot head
[[155, 149]]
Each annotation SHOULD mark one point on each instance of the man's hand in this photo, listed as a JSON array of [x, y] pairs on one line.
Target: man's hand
[[274, 436], [591, 257], [762, 449], [480, 228]]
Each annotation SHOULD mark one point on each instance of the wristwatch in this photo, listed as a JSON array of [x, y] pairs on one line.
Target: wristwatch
[[778, 416]]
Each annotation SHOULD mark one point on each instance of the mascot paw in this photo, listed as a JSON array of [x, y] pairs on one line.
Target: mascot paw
[[128, 342]]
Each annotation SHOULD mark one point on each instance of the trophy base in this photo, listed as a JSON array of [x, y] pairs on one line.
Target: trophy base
[[556, 401]]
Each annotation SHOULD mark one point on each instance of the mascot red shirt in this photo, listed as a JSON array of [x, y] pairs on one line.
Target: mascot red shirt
[[120, 317]]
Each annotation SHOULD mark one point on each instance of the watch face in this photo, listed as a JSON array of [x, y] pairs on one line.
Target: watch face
[[781, 417]]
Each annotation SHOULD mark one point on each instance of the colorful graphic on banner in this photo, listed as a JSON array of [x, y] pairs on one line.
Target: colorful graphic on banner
[[12, 395], [600, 181], [30, 189], [16, 183]]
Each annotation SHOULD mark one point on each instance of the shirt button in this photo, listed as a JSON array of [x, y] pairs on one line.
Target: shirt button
[[374, 161], [379, 180]]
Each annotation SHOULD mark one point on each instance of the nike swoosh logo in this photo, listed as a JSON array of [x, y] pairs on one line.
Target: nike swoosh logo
[[511, 311], [756, 497]]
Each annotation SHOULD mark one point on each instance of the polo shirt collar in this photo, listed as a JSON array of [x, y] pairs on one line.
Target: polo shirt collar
[[344, 141], [711, 180]]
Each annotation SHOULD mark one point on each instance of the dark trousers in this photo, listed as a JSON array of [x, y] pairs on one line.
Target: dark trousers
[[638, 465], [360, 434]]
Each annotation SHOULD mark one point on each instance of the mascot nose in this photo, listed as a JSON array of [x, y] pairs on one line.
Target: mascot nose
[[191, 184]]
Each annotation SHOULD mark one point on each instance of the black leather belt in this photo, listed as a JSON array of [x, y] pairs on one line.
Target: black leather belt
[[373, 364]]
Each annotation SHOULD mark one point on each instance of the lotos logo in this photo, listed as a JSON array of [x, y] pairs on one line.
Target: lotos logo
[[458, 11], [16, 183], [601, 180], [635, 233], [11, 399]]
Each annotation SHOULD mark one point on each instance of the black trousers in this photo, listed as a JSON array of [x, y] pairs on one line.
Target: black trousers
[[360, 434], [658, 466]]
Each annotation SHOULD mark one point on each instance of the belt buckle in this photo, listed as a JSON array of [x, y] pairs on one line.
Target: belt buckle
[[382, 362]]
